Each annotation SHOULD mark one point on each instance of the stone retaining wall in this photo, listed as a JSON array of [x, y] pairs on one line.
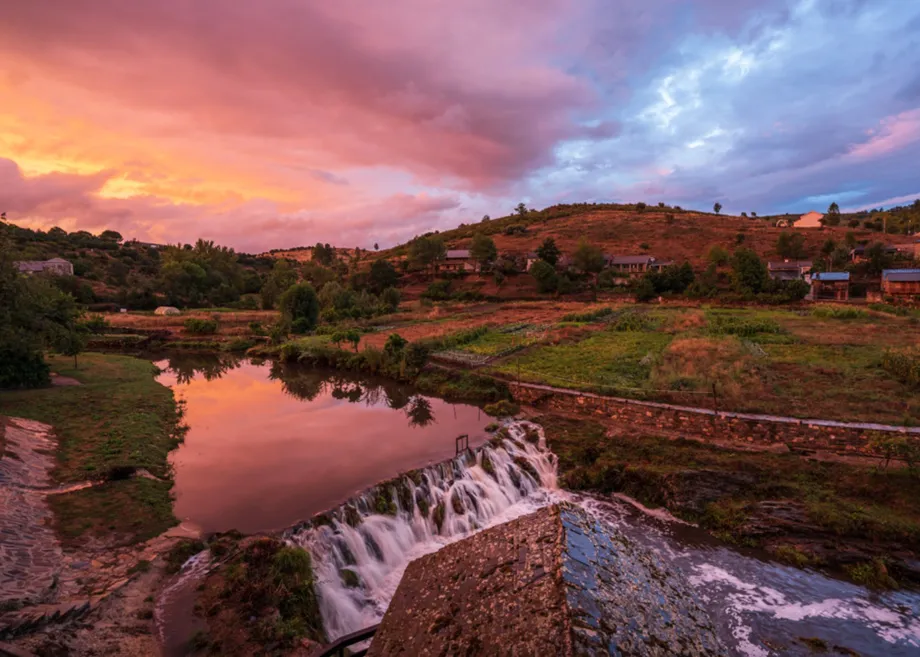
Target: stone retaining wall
[[716, 427]]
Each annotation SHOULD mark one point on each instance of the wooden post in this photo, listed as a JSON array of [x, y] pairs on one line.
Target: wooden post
[[715, 398]]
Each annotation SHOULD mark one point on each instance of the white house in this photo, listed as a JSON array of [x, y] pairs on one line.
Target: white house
[[810, 220]]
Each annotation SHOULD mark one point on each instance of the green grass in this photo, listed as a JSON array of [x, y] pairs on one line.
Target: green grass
[[607, 361], [494, 343], [844, 500], [120, 417]]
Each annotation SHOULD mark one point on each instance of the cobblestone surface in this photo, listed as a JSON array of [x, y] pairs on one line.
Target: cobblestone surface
[[30, 554]]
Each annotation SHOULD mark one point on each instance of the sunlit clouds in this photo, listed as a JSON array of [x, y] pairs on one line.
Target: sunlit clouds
[[284, 122]]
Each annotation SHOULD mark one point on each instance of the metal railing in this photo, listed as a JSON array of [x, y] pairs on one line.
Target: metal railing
[[338, 648]]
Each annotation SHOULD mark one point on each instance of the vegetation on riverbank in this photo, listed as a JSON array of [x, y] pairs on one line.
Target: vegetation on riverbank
[[119, 420], [803, 511], [261, 595]]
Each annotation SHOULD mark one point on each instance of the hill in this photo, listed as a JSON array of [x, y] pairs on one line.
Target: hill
[[664, 232]]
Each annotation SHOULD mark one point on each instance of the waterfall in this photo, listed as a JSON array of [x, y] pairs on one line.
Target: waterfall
[[361, 549]]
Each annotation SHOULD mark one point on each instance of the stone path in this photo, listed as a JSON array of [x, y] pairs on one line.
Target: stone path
[[30, 554]]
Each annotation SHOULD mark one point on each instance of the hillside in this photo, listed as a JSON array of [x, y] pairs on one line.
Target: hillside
[[666, 233]]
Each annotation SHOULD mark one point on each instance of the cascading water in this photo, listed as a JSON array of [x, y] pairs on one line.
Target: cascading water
[[361, 549]]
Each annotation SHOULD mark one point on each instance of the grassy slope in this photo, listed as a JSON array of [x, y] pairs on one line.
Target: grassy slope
[[812, 367], [624, 230], [120, 417], [843, 500]]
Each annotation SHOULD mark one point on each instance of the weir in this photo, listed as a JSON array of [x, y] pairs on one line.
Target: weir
[[361, 548]]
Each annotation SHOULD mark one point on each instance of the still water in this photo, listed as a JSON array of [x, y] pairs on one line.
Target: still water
[[271, 444]]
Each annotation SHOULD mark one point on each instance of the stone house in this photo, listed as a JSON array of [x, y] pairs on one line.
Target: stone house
[[56, 266], [790, 270], [458, 261]]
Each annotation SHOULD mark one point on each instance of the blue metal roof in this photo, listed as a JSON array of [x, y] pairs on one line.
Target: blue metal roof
[[901, 275], [831, 276]]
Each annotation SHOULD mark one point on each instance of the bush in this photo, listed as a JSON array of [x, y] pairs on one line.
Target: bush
[[96, 324], [197, 326], [437, 291], [545, 276], [590, 316], [299, 307], [22, 368], [903, 365], [502, 408], [742, 326], [390, 298], [645, 290], [839, 312]]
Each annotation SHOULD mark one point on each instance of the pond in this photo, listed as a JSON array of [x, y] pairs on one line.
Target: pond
[[270, 444]]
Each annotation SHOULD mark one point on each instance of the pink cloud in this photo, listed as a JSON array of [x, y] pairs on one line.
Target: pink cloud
[[471, 93], [893, 134]]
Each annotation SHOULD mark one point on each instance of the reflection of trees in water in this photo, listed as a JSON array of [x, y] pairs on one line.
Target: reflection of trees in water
[[307, 384], [185, 367], [419, 412]]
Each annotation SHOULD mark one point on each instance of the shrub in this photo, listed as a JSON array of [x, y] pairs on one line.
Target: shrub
[[903, 365], [256, 328], [390, 298], [839, 312], [437, 291], [590, 316], [197, 326], [645, 290], [299, 307], [21, 367], [96, 324], [545, 276], [745, 327], [502, 408]]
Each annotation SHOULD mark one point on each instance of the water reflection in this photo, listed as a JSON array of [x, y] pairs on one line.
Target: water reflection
[[270, 444], [307, 384]]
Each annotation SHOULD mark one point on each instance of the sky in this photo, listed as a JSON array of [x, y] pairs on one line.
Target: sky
[[277, 123]]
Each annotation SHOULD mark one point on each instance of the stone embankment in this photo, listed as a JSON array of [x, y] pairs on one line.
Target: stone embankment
[[556, 582], [749, 429]]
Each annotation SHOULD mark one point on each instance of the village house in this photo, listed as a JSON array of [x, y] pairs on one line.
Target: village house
[[56, 266], [630, 265], [809, 220], [901, 283], [858, 253], [790, 270], [458, 261], [910, 249], [830, 285], [529, 259]]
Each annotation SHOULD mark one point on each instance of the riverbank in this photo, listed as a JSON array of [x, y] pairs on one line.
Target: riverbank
[[862, 521], [118, 422]]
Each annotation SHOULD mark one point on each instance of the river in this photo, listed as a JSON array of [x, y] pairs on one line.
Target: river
[[269, 446]]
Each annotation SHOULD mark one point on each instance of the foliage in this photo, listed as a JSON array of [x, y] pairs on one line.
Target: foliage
[[437, 291], [548, 251], [839, 312], [545, 276], [749, 273], [742, 326], [674, 278], [645, 290], [904, 365], [502, 408], [390, 298], [281, 278], [33, 314], [791, 245], [351, 336], [382, 276], [199, 326], [877, 259], [299, 307], [589, 316], [483, 250], [717, 208], [588, 258], [427, 250], [96, 324], [718, 255]]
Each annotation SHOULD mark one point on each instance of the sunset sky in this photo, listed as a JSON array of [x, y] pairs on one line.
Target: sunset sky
[[276, 123]]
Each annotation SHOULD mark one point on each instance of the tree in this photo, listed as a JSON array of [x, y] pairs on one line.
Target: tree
[[324, 254], [381, 276], [640, 206], [427, 250], [521, 210], [832, 218], [548, 251], [749, 273], [827, 250], [588, 258], [833, 208], [376, 246], [545, 276], [299, 307], [483, 250], [718, 255], [717, 207], [112, 235], [390, 298], [486, 218], [790, 245], [69, 341], [280, 279], [877, 259]]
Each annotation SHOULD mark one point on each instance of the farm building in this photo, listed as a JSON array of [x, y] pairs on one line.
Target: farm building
[[901, 282], [810, 220], [830, 285], [789, 270], [632, 265], [459, 260], [167, 310], [57, 266]]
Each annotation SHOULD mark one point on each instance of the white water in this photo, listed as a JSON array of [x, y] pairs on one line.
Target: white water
[[379, 546]]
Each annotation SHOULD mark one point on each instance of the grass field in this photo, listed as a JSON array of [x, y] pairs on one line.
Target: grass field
[[119, 418], [802, 363]]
